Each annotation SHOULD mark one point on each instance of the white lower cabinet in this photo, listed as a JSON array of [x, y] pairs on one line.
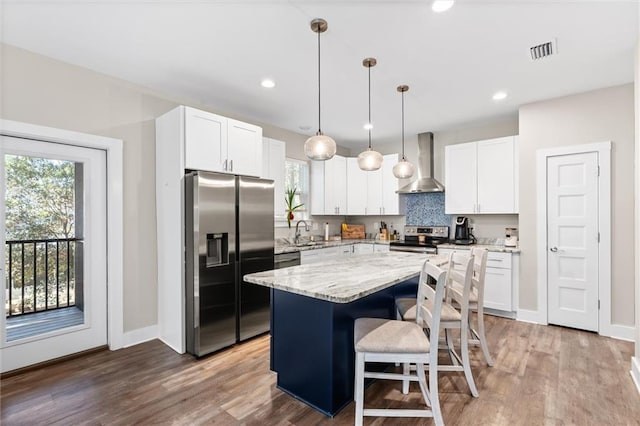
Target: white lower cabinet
[[363, 248], [501, 279], [380, 248], [324, 254]]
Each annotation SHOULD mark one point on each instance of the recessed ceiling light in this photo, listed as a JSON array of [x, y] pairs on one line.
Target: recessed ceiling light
[[442, 5], [304, 127], [498, 96], [368, 126], [268, 83]]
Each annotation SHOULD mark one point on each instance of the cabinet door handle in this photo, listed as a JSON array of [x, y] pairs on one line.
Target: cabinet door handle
[[553, 249], [224, 165], [231, 165], [478, 208]]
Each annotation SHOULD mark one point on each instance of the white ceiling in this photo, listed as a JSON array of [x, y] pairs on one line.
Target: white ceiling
[[217, 52]]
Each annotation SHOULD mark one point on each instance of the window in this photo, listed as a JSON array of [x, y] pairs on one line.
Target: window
[[296, 176]]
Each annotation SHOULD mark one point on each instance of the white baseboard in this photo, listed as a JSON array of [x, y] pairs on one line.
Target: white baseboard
[[499, 313], [178, 350], [140, 335], [635, 372], [525, 315], [619, 331]]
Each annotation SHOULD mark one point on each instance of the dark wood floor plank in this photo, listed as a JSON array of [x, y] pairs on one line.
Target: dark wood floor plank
[[542, 376]]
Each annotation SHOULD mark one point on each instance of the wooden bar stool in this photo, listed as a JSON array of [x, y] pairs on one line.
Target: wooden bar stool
[[459, 275], [476, 301], [389, 341]]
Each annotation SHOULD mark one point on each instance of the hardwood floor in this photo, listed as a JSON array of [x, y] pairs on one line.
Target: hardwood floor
[[542, 376]]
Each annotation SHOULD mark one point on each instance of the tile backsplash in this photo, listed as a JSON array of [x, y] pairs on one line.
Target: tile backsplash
[[426, 209]]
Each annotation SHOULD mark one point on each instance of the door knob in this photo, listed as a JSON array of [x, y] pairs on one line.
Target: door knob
[[553, 249]]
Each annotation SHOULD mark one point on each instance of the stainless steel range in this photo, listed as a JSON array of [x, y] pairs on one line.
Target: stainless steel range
[[421, 239]]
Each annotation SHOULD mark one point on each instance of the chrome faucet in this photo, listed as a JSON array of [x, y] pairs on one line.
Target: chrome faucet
[[306, 228]]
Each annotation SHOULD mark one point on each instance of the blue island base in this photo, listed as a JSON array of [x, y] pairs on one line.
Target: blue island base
[[312, 343]]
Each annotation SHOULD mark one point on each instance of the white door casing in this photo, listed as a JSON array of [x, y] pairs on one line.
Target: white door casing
[[115, 224], [93, 332], [540, 314], [572, 239]]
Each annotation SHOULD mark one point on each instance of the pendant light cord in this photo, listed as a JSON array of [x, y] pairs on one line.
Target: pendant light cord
[[319, 127], [369, 67], [403, 126]]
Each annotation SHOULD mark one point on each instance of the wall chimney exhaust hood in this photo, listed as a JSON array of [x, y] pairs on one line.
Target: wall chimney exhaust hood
[[425, 181]]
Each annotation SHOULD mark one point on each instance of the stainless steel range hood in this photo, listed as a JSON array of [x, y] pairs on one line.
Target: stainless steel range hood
[[425, 181]]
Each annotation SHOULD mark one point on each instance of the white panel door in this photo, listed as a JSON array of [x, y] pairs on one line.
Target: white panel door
[[572, 240], [244, 148], [390, 199], [356, 188], [205, 140], [496, 165], [460, 175], [54, 262]]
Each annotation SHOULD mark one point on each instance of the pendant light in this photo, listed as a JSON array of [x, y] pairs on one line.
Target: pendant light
[[319, 147], [369, 160], [403, 169]]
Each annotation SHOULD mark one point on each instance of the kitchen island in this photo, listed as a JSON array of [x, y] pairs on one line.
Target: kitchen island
[[313, 308]]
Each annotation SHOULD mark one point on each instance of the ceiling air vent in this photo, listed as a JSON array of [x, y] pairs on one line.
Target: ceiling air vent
[[543, 50]]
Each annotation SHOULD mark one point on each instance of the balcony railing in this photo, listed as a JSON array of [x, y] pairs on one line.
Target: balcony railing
[[41, 274]]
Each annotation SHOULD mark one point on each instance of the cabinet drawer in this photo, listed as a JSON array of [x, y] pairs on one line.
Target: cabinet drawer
[[499, 260]]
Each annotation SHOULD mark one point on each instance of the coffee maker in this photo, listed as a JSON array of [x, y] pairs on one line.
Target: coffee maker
[[463, 234]]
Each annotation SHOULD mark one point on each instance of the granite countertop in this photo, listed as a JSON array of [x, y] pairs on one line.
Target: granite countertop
[[491, 247], [290, 248], [347, 279]]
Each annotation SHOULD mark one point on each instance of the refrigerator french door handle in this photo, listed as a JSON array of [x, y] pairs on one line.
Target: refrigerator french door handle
[[194, 259]]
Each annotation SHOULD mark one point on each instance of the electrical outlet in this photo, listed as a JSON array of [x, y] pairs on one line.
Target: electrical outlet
[[376, 225], [315, 226]]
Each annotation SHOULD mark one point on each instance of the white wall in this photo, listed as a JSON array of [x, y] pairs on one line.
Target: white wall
[[597, 116], [635, 368], [40, 90]]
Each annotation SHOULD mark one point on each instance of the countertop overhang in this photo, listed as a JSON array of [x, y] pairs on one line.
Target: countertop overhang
[[347, 279]]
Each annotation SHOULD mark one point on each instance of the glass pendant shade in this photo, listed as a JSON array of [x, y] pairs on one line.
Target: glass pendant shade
[[370, 160], [320, 147], [403, 169]]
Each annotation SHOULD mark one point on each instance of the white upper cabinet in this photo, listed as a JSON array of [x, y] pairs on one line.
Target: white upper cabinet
[[273, 167], [480, 177], [329, 186], [496, 176], [244, 148], [219, 144], [356, 188], [390, 198], [335, 183], [460, 177], [372, 193], [205, 140]]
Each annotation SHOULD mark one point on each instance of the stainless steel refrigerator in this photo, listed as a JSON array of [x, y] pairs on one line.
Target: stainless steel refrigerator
[[229, 233]]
